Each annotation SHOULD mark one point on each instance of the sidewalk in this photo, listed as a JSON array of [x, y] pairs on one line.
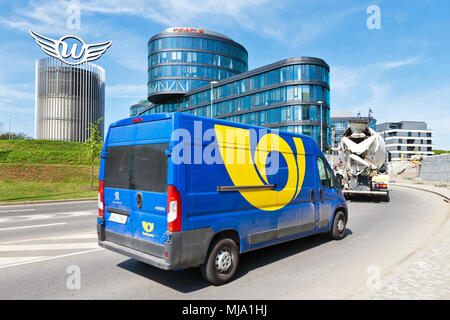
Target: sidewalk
[[437, 187], [428, 277], [7, 204]]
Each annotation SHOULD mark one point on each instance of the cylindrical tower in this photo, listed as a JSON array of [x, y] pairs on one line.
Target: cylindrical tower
[[182, 59], [68, 99]]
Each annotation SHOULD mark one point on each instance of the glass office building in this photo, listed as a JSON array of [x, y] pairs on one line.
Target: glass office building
[[141, 106], [291, 95], [182, 59]]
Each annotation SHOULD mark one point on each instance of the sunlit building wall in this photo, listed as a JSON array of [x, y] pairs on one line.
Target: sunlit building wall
[[68, 99]]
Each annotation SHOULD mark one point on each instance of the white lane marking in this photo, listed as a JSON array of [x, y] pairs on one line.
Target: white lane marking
[[21, 210], [51, 258], [50, 246], [34, 217], [34, 226], [25, 249], [14, 260], [56, 215], [75, 236], [78, 213]]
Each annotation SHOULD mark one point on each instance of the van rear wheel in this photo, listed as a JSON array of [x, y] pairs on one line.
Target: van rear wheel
[[337, 231], [221, 262]]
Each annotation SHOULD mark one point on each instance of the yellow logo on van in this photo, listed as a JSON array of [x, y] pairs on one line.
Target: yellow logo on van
[[148, 227], [243, 168]]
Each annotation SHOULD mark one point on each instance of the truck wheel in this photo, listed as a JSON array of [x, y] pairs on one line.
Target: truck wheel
[[337, 231], [386, 197], [221, 262]]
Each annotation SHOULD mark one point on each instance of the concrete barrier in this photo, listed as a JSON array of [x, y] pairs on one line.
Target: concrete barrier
[[436, 168]]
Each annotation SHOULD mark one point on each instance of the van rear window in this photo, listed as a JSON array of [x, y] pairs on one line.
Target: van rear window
[[139, 167]]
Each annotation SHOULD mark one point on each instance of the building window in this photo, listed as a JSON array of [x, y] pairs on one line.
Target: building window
[[305, 113]]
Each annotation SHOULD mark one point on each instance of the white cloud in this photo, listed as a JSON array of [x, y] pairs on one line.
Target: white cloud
[[347, 81], [359, 87], [431, 106], [130, 51], [51, 16], [400, 63], [13, 92], [135, 91], [17, 100], [261, 16]]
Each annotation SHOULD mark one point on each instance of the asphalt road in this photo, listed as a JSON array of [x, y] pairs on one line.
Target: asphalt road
[[42, 247]]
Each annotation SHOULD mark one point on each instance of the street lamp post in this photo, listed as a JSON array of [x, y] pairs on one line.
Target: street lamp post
[[9, 134], [321, 129], [333, 140], [212, 82]]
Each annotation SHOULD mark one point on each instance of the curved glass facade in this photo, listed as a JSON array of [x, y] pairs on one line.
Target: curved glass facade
[[179, 61], [197, 57], [284, 95], [200, 41], [291, 95], [191, 72]]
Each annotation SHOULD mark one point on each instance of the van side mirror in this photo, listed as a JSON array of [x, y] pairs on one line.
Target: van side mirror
[[338, 182]]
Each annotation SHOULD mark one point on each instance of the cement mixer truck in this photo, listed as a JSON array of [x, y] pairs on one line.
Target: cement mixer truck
[[364, 159]]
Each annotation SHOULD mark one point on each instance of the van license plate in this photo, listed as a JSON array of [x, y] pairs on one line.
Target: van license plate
[[119, 218]]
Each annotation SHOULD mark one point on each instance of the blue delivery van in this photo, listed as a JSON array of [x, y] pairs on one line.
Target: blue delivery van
[[178, 191]]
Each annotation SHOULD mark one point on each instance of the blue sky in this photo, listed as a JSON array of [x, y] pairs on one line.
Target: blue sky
[[401, 71]]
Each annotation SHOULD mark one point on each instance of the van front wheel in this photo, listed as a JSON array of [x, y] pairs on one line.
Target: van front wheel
[[337, 231], [221, 262]]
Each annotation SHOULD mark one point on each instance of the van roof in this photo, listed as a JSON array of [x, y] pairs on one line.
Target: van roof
[[307, 140], [146, 118]]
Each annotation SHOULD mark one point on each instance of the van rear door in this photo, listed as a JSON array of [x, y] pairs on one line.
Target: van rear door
[[135, 182]]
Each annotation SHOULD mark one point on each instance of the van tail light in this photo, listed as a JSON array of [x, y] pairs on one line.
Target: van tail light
[[101, 198], [173, 209]]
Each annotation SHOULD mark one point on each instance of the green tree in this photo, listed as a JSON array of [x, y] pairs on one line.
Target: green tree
[[438, 152], [14, 136], [93, 145]]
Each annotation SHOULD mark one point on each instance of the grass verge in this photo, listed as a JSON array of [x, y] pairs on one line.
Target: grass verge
[[33, 182], [35, 191]]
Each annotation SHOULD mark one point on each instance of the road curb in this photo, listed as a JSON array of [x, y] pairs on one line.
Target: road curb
[[446, 199], [45, 201]]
